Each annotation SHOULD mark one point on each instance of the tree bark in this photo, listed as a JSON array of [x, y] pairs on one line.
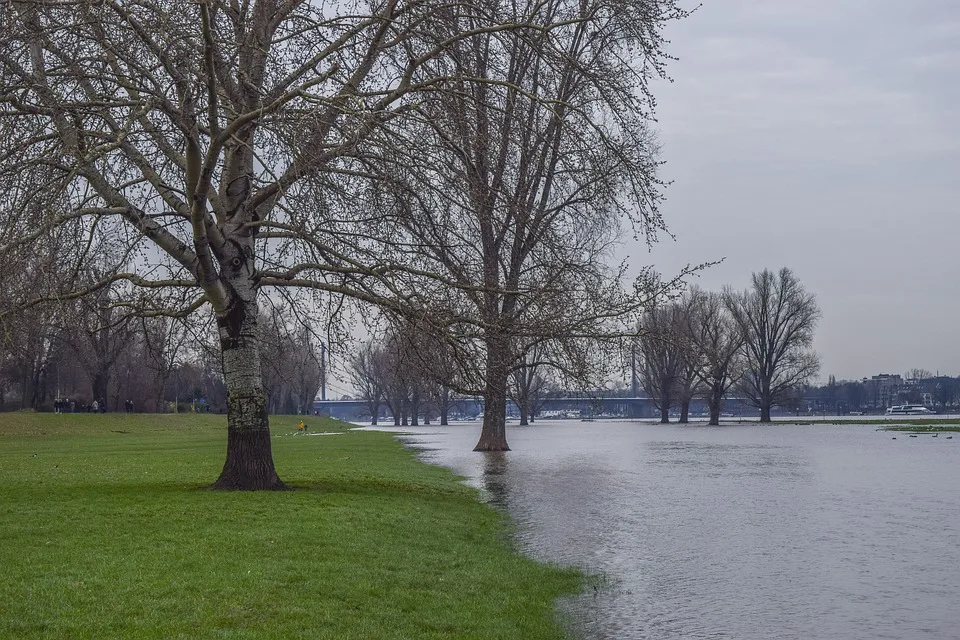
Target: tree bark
[[715, 416], [249, 464], [664, 414], [444, 406], [493, 434], [765, 412], [685, 412], [714, 401], [415, 409], [101, 382]]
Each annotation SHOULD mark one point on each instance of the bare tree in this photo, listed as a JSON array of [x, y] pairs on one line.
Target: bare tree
[[528, 384], [662, 357], [366, 371], [717, 341], [227, 147], [688, 379], [98, 333], [535, 167], [164, 345], [777, 317]]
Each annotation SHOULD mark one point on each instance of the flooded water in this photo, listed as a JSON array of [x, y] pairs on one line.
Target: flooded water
[[733, 532]]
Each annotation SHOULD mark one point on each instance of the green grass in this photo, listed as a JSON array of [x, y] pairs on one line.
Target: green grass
[[950, 424], [922, 428], [107, 530]]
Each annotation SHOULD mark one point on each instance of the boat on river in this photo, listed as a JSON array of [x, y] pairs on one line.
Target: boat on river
[[908, 410]]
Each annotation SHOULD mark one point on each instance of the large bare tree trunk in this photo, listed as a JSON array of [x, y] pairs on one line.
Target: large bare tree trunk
[[493, 434], [764, 412], [444, 406], [684, 412], [714, 400], [249, 464], [665, 414], [101, 382]]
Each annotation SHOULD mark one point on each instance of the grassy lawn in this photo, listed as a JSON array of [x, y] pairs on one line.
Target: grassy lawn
[[923, 428], [107, 531]]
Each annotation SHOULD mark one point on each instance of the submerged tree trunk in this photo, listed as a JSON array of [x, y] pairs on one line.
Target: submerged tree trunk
[[493, 434], [249, 464], [444, 406], [714, 401], [764, 412], [415, 409], [665, 414], [715, 415], [523, 405]]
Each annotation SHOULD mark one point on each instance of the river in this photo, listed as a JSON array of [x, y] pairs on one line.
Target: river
[[742, 532]]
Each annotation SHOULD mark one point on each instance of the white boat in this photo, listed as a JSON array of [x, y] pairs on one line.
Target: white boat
[[908, 410]]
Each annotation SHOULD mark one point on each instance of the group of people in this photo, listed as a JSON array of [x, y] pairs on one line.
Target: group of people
[[66, 405]]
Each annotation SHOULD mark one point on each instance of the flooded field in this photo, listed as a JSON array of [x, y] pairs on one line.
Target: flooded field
[[741, 532]]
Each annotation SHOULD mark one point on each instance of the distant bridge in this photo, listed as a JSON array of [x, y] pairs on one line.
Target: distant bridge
[[582, 405]]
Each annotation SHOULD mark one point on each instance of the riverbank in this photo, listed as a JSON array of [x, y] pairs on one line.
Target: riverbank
[[107, 530]]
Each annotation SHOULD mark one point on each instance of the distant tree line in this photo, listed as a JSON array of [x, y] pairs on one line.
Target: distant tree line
[[89, 350], [754, 343], [413, 375]]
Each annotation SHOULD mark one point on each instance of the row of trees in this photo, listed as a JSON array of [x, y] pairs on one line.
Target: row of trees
[[411, 373], [754, 343], [88, 349], [465, 165]]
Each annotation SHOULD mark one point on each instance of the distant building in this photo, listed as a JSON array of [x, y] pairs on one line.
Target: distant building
[[882, 390]]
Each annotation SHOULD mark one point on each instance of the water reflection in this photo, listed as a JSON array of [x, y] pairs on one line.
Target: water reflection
[[495, 480]]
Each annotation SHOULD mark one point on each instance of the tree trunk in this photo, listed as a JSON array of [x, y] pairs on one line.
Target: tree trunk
[[715, 415], [101, 380], [714, 401], [764, 412], [374, 413], [444, 406], [524, 413], [249, 464], [664, 414], [685, 412], [493, 434]]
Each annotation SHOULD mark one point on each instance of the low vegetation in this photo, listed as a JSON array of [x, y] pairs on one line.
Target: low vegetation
[[926, 427], [107, 530]]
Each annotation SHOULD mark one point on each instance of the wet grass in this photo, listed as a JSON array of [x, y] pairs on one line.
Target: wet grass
[[107, 530], [922, 428], [950, 424]]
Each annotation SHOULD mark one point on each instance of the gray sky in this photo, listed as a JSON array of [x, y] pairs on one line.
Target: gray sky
[[824, 135]]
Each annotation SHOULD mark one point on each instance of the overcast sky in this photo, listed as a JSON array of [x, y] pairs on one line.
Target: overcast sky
[[824, 135]]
